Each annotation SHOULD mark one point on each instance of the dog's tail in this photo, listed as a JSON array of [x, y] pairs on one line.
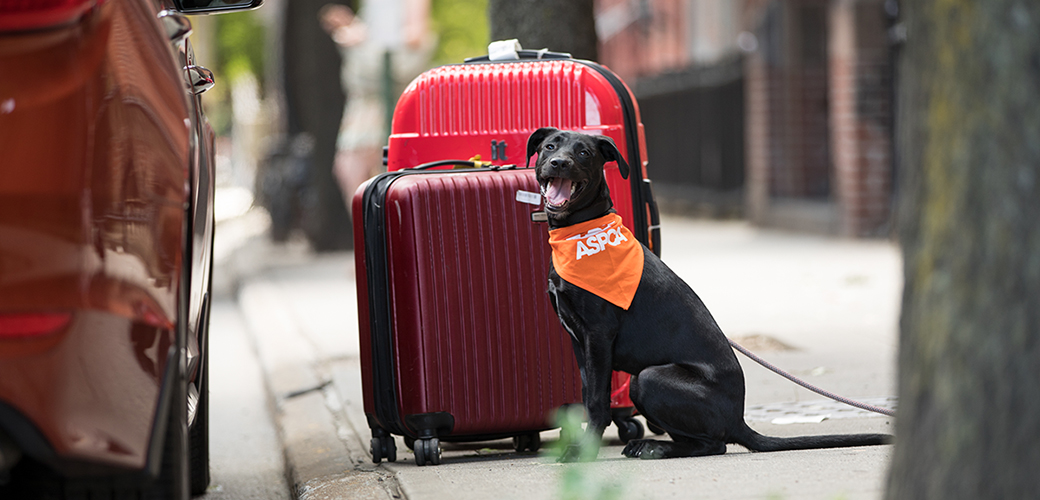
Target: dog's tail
[[754, 441]]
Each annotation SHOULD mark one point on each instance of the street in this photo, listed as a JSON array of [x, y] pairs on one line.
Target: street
[[823, 308]]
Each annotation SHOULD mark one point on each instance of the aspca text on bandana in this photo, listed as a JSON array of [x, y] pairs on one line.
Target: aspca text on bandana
[[597, 239]]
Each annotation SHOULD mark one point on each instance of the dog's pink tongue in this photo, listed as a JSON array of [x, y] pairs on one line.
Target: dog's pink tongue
[[558, 191]]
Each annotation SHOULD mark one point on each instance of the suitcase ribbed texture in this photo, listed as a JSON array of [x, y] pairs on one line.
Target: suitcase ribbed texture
[[474, 332], [463, 111], [501, 99]]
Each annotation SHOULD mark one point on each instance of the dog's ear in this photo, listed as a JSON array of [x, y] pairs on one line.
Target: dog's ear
[[536, 140], [610, 152]]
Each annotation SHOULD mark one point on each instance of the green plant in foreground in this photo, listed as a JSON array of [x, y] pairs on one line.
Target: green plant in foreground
[[579, 481]]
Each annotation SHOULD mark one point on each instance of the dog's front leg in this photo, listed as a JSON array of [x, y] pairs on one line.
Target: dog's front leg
[[596, 375]]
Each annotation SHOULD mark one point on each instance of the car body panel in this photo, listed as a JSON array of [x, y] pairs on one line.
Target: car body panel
[[97, 159]]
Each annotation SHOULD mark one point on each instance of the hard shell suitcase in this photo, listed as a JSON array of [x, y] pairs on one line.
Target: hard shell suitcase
[[487, 109], [458, 339]]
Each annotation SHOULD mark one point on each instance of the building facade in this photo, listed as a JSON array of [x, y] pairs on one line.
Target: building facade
[[780, 110]]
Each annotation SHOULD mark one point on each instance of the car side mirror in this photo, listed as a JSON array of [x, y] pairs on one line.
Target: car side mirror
[[215, 6]]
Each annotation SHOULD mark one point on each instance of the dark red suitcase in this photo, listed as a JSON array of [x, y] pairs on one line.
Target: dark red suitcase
[[458, 339], [490, 108]]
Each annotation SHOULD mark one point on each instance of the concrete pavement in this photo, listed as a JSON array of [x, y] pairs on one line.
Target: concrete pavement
[[246, 459], [824, 308]]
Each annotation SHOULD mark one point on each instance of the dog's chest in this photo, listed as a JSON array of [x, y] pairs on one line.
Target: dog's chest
[[561, 307]]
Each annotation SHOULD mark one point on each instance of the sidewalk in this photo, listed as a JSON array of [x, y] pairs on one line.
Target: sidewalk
[[825, 309]]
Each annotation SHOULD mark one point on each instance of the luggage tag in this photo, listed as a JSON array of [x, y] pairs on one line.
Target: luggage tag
[[532, 199]]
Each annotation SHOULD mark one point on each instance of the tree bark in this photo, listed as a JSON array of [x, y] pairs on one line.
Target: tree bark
[[969, 362], [314, 101], [561, 26]]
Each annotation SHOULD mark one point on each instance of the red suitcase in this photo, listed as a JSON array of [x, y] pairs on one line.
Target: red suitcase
[[488, 109], [456, 352], [458, 339]]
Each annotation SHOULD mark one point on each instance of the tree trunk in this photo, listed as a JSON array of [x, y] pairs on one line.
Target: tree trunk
[[314, 101], [561, 26], [969, 362]]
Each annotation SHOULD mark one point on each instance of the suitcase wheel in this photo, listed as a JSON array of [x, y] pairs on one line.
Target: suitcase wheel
[[629, 429], [383, 447], [527, 442], [427, 451]]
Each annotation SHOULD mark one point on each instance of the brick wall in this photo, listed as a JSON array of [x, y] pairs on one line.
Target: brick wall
[[861, 115], [681, 59], [817, 98], [643, 38], [757, 105], [788, 105], [818, 123]]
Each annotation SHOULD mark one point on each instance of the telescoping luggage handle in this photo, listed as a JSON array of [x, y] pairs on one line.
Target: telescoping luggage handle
[[510, 50], [485, 165]]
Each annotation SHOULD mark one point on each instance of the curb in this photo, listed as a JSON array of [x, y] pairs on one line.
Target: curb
[[325, 458]]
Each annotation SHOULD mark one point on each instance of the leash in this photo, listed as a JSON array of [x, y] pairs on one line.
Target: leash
[[813, 388]]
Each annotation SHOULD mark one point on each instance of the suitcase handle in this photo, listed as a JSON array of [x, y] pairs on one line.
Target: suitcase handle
[[655, 218], [524, 55], [444, 163], [461, 163]]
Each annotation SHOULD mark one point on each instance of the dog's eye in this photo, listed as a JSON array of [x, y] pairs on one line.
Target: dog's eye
[[550, 147], [584, 153]]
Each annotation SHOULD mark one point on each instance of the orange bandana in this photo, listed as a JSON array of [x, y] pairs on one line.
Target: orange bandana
[[600, 256]]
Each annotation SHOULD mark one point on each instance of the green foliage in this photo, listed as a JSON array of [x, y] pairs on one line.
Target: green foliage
[[240, 45], [579, 481], [578, 484], [462, 29], [569, 420]]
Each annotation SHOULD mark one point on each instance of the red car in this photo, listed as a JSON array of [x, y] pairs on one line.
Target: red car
[[106, 231]]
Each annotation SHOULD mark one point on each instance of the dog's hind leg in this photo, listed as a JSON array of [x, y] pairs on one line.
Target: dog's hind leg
[[681, 447], [687, 403]]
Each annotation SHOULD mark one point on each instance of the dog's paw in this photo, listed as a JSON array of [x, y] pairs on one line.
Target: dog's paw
[[646, 449]]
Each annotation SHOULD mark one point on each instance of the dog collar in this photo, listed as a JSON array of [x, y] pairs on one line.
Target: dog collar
[[600, 256]]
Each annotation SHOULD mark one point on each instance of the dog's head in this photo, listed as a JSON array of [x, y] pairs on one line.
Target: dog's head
[[570, 173]]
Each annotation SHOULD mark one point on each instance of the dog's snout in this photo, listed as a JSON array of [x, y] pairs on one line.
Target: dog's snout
[[558, 163]]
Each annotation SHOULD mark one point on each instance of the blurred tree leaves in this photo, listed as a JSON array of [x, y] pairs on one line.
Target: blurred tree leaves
[[235, 46], [240, 45], [462, 29]]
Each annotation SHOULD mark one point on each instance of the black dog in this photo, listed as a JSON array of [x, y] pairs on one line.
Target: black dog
[[685, 376]]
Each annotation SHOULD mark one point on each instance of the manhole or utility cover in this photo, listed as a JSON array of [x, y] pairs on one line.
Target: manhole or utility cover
[[808, 410]]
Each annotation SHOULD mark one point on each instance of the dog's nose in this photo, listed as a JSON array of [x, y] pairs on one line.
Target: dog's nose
[[557, 162]]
